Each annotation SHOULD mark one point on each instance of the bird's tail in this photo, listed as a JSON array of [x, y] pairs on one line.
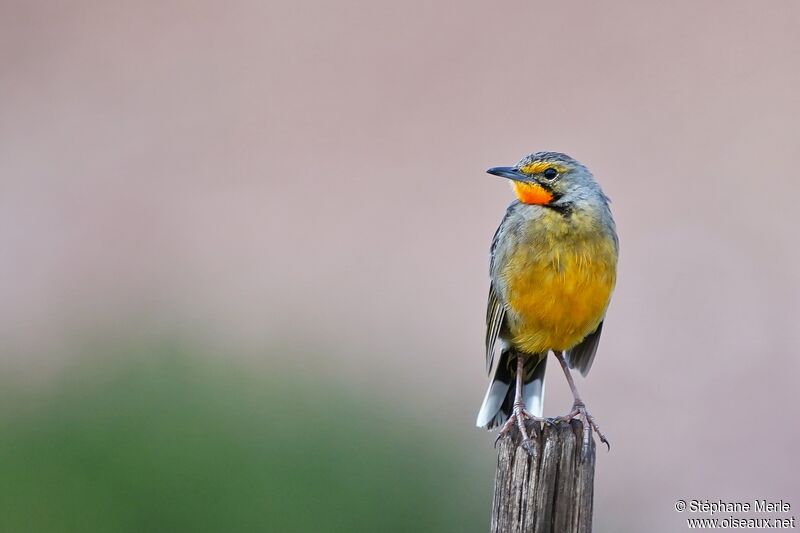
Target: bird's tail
[[499, 399]]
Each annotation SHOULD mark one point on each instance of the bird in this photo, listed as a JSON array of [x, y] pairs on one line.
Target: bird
[[552, 269]]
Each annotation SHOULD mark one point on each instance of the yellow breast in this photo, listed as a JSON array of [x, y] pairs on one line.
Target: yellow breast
[[558, 287]]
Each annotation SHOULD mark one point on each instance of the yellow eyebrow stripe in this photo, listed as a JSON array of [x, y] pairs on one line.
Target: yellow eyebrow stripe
[[540, 166]]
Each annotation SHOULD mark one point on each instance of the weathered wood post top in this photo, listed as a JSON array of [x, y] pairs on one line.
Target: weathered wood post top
[[550, 491]]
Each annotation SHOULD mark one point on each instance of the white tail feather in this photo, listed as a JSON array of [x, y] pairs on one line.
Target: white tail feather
[[492, 402], [493, 412], [533, 395]]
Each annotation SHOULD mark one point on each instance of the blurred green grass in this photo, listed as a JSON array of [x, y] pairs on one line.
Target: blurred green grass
[[160, 439]]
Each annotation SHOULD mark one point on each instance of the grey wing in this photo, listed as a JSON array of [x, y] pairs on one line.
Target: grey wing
[[495, 314], [495, 309], [581, 356]]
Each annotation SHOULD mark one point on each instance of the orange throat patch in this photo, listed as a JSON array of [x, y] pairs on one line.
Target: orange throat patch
[[531, 193]]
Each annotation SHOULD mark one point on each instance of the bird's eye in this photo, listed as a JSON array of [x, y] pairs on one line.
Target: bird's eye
[[550, 174]]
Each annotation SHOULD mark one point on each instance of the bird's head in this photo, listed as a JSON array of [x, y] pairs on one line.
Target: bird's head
[[550, 178]]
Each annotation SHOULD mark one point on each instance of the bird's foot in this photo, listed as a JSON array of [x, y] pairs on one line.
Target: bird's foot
[[588, 422], [518, 418]]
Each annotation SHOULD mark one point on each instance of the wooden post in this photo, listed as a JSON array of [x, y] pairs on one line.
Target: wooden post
[[550, 491]]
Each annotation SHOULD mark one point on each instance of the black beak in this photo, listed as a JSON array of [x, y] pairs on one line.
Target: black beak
[[511, 173]]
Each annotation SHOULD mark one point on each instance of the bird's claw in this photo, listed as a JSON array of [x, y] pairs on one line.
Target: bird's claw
[[554, 421], [527, 445], [499, 436], [517, 419], [587, 420], [604, 440]]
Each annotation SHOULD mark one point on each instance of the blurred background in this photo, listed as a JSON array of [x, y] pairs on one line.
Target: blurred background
[[244, 255]]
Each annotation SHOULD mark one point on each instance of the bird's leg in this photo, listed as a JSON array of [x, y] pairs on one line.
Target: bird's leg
[[579, 409], [518, 413]]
